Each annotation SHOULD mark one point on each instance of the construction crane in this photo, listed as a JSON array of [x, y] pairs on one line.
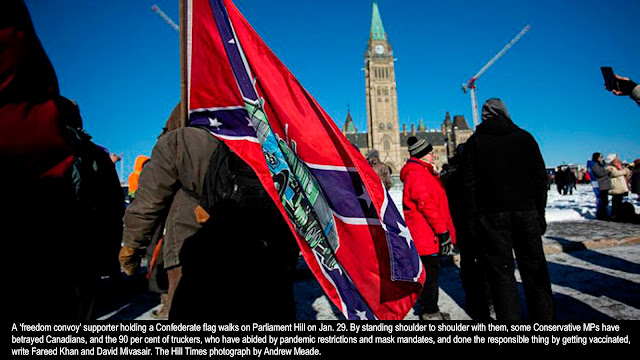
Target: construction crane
[[471, 84], [165, 17]]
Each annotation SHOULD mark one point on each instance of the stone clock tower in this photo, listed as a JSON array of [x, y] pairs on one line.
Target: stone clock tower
[[382, 100]]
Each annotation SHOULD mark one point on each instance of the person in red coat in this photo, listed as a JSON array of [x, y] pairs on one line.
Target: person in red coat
[[426, 211]]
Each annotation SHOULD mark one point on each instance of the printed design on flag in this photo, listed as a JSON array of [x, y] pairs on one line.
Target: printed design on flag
[[298, 191]]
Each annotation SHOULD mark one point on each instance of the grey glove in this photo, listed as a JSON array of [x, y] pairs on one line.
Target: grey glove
[[446, 247]]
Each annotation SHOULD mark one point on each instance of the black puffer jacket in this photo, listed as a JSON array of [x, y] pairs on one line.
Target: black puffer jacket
[[502, 166]]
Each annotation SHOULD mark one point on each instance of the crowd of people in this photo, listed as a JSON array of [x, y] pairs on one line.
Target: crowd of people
[[610, 177], [565, 180], [214, 266]]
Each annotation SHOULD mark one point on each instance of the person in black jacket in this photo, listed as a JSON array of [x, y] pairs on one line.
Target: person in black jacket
[[472, 275], [635, 178], [506, 212], [560, 180]]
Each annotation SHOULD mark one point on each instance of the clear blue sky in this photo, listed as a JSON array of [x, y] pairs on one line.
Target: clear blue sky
[[120, 62]]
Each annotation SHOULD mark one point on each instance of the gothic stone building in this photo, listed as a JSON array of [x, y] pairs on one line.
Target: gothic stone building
[[383, 133]]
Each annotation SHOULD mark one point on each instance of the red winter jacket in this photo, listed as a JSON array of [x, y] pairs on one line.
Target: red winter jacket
[[31, 140], [425, 205]]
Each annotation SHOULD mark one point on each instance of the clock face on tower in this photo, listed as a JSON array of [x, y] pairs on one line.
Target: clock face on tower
[[379, 49]]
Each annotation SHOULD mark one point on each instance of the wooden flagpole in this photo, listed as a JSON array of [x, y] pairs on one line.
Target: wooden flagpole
[[184, 85]]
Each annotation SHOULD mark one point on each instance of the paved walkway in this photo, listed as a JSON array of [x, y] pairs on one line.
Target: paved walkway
[[594, 268], [588, 234]]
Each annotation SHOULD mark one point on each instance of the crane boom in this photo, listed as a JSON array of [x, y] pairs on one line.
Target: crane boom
[[165, 17], [471, 84], [502, 52]]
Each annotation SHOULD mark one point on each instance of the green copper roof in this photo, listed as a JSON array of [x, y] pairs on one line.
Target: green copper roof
[[350, 126], [421, 125], [377, 30]]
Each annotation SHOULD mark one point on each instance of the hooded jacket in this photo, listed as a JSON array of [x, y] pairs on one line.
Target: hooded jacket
[[135, 175], [32, 142], [601, 176], [425, 206], [178, 165], [619, 177], [380, 168], [502, 167]]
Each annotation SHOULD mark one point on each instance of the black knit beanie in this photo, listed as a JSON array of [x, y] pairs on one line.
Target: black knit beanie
[[418, 147]]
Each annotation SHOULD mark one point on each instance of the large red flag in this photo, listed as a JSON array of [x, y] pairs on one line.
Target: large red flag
[[350, 232]]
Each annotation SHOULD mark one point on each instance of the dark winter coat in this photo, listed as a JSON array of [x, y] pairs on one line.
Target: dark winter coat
[[502, 167], [604, 183], [560, 178], [425, 206], [179, 162], [32, 142], [382, 170], [44, 255], [635, 180]]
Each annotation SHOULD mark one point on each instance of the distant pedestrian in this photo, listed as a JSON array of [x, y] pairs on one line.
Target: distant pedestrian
[[115, 158], [382, 169], [134, 177], [426, 211], [570, 179], [635, 178], [506, 212], [601, 185], [619, 176], [558, 179]]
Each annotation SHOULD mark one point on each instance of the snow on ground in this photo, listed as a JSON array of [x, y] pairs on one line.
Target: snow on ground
[[581, 205], [577, 277]]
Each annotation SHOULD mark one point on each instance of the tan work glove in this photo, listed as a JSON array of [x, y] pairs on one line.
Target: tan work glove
[[130, 259]]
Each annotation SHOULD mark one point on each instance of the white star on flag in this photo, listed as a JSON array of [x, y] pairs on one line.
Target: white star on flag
[[404, 232], [362, 315], [365, 196], [214, 123], [249, 121]]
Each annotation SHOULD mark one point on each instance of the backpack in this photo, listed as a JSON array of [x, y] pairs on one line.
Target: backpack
[[231, 182], [98, 204]]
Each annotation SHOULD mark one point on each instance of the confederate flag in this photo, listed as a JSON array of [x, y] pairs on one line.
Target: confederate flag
[[350, 232]]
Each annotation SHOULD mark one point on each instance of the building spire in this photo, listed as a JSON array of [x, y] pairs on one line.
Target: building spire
[[349, 124], [377, 30], [421, 125]]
